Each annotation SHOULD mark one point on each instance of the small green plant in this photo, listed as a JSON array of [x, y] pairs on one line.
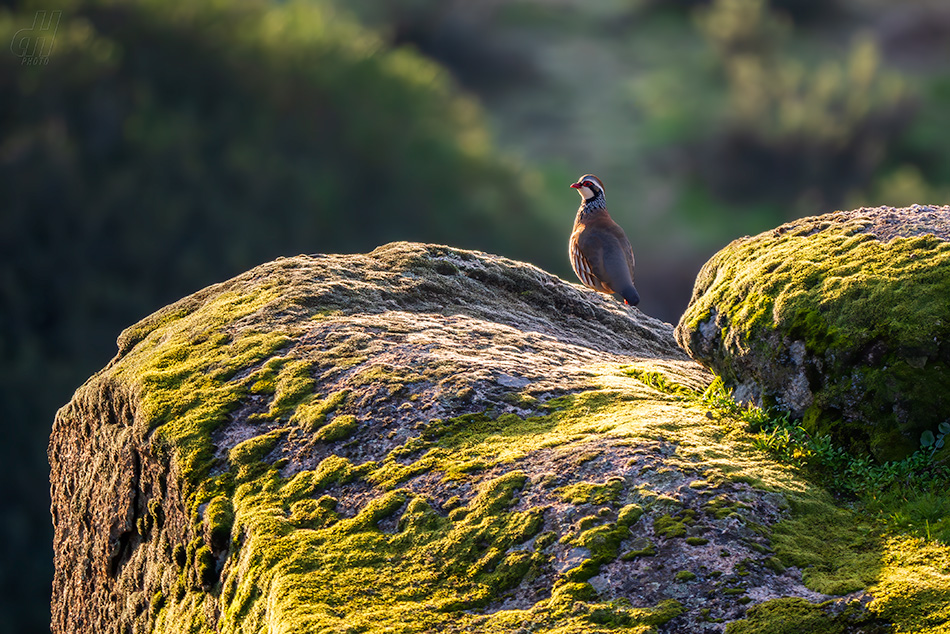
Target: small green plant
[[905, 493], [658, 381], [934, 442]]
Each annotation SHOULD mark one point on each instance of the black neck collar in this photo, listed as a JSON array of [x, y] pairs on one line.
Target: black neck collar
[[593, 204]]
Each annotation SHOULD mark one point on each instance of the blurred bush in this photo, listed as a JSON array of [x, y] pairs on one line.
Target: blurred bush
[[778, 128], [792, 129], [900, 187], [799, 11], [456, 33], [168, 144]]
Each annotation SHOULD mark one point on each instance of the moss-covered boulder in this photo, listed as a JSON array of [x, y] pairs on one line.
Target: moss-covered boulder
[[427, 439], [842, 319]]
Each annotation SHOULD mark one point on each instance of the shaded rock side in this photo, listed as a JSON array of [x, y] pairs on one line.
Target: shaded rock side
[[841, 319], [420, 439]]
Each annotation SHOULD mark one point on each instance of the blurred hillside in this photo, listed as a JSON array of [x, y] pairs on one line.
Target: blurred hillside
[[154, 147]]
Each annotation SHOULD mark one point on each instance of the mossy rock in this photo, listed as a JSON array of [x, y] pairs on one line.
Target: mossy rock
[[329, 443], [841, 319], [794, 615]]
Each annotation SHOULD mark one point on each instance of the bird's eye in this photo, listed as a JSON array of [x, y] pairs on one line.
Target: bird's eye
[[588, 184]]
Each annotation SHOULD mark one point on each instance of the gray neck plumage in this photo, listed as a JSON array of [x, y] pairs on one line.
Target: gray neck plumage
[[596, 203]]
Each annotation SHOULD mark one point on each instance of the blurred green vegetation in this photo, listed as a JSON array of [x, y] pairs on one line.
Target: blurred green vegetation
[[791, 127], [166, 145], [710, 119]]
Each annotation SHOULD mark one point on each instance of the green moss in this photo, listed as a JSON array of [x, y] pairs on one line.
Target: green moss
[[591, 492], [157, 602], [394, 377], [419, 516], [721, 507], [315, 514], [912, 587], [469, 443], [205, 571], [544, 540], [331, 470], [660, 382], [521, 399], [448, 564], [186, 368], [218, 520], [602, 540], [603, 543], [254, 449], [684, 575], [312, 413], [837, 550], [629, 515], [696, 541], [338, 429], [741, 569], [642, 547], [775, 565], [657, 502], [788, 616], [665, 612], [566, 594], [293, 385], [445, 565], [674, 526]]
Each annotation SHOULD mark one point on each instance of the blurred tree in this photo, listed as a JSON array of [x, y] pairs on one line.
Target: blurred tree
[[456, 33], [166, 144], [789, 131], [799, 11]]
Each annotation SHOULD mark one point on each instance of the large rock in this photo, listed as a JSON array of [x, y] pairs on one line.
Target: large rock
[[841, 319], [426, 439]]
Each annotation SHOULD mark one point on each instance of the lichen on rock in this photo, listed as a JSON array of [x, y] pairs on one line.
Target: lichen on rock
[[841, 319], [422, 439]]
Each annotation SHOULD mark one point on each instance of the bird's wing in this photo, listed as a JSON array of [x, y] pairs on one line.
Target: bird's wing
[[610, 256], [584, 270], [617, 232], [593, 245]]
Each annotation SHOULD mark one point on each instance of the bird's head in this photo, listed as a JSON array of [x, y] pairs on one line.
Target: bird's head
[[589, 187]]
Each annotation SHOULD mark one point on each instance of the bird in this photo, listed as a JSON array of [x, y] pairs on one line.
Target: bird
[[600, 252]]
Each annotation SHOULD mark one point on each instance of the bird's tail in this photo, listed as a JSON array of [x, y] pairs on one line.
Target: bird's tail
[[630, 295]]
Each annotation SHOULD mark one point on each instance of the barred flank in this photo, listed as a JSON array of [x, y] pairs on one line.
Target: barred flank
[[583, 270]]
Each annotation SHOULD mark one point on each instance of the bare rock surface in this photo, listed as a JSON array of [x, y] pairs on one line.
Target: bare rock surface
[[417, 439]]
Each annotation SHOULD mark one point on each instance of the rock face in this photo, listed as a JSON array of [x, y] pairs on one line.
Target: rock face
[[842, 319], [425, 439]]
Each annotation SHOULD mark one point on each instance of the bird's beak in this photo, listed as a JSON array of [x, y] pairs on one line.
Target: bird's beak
[[576, 185]]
